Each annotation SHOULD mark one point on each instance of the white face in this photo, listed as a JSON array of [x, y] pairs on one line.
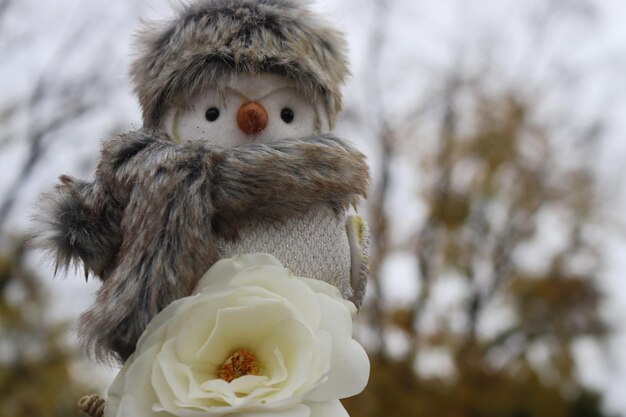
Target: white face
[[252, 108]]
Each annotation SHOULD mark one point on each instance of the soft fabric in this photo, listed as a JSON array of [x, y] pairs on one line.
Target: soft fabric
[[313, 245], [210, 41], [148, 224]]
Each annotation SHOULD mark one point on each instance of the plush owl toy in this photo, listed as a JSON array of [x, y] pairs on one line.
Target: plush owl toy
[[235, 156]]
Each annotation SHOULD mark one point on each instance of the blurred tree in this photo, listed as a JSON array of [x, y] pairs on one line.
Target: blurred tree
[[35, 377], [485, 207], [498, 182], [68, 87]]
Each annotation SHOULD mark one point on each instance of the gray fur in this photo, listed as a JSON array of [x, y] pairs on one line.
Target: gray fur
[[149, 223], [78, 227], [210, 41]]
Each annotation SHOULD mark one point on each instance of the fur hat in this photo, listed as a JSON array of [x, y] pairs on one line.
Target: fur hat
[[211, 41]]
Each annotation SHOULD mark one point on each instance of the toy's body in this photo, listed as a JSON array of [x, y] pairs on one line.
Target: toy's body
[[159, 214], [265, 109], [314, 244], [234, 157]]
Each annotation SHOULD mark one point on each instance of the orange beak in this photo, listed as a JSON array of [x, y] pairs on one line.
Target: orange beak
[[252, 118]]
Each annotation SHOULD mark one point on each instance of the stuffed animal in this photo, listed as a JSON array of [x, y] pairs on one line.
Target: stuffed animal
[[234, 156]]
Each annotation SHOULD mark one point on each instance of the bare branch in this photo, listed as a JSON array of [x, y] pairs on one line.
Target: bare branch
[[35, 153], [378, 217]]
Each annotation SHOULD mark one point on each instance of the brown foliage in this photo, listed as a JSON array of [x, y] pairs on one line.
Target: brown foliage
[[395, 391], [35, 378], [489, 186]]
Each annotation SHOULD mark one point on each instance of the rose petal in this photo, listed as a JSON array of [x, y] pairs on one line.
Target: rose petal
[[298, 347], [225, 269], [327, 409], [175, 383], [234, 330], [127, 395], [295, 411], [278, 281], [273, 362], [247, 384], [349, 365], [192, 333]]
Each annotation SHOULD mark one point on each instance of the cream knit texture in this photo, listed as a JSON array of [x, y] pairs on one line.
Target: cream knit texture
[[314, 245]]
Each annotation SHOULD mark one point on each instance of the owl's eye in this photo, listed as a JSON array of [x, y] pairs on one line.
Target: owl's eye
[[287, 115], [212, 114]]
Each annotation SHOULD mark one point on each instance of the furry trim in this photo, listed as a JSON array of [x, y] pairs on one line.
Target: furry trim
[[213, 40], [77, 224], [271, 182], [148, 225]]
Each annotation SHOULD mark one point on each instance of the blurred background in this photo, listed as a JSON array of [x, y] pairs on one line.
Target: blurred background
[[495, 134]]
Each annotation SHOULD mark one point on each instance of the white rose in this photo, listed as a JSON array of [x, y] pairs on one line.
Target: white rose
[[253, 340]]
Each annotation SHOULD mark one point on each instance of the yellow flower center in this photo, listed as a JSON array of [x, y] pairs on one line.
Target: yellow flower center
[[241, 362]]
